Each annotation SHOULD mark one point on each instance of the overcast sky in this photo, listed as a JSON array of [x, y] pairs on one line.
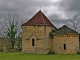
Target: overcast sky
[[56, 10]]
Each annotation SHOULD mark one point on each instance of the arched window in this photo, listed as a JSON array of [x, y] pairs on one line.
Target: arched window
[[33, 42], [64, 46]]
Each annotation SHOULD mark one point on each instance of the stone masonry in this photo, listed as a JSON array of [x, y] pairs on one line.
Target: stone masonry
[[35, 37]]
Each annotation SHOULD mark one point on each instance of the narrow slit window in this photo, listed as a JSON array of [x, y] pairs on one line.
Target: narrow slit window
[[79, 39], [64, 46], [33, 42]]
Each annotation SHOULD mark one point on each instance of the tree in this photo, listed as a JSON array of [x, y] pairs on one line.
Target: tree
[[19, 39], [11, 28], [74, 23]]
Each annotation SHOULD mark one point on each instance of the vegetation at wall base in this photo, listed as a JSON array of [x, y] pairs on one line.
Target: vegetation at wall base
[[51, 52], [78, 52]]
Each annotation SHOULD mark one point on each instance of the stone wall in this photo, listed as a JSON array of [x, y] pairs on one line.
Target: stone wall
[[40, 34], [71, 41], [3, 41]]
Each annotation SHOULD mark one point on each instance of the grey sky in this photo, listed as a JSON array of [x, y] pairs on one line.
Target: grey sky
[[56, 10]]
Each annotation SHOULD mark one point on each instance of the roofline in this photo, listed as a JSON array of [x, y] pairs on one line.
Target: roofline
[[69, 28], [40, 25], [44, 23]]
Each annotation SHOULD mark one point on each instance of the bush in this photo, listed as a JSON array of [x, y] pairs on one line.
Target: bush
[[51, 52], [78, 52]]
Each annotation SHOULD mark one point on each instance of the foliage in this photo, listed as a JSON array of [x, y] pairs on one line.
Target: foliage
[[12, 31], [51, 35], [51, 52], [78, 52], [11, 28], [53, 30], [19, 42]]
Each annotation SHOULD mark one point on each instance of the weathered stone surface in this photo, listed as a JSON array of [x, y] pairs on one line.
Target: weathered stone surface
[[72, 44], [40, 34], [35, 37]]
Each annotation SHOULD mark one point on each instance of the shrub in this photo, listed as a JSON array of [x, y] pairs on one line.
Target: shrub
[[78, 52], [51, 52]]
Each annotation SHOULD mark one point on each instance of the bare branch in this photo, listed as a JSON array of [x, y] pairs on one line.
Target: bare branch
[[11, 28], [74, 23]]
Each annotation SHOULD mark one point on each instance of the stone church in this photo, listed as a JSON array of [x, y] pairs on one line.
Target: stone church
[[36, 37]]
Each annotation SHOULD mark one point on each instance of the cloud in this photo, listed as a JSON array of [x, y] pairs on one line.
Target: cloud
[[25, 8], [56, 10], [71, 7]]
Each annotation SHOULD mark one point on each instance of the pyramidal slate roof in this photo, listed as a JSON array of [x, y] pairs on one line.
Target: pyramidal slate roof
[[38, 19], [65, 30]]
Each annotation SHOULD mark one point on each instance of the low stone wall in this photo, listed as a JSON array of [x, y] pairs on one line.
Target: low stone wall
[[36, 51]]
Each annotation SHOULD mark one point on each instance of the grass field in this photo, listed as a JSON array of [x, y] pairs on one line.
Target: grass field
[[20, 56]]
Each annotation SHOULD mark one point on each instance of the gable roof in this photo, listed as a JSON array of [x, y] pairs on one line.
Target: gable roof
[[39, 19], [65, 30]]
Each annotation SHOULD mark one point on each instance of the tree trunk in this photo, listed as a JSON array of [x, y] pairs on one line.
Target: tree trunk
[[12, 44]]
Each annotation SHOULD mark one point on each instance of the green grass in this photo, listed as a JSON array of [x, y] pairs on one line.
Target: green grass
[[20, 56]]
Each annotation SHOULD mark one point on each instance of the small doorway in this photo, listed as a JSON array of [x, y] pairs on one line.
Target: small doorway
[[33, 42]]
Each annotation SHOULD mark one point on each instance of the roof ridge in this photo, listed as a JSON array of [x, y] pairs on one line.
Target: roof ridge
[[38, 19], [42, 17], [65, 30]]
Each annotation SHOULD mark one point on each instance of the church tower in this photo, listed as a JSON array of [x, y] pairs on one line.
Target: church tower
[[35, 34]]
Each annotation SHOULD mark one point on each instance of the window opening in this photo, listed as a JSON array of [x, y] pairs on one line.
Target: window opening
[[33, 42], [64, 46]]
